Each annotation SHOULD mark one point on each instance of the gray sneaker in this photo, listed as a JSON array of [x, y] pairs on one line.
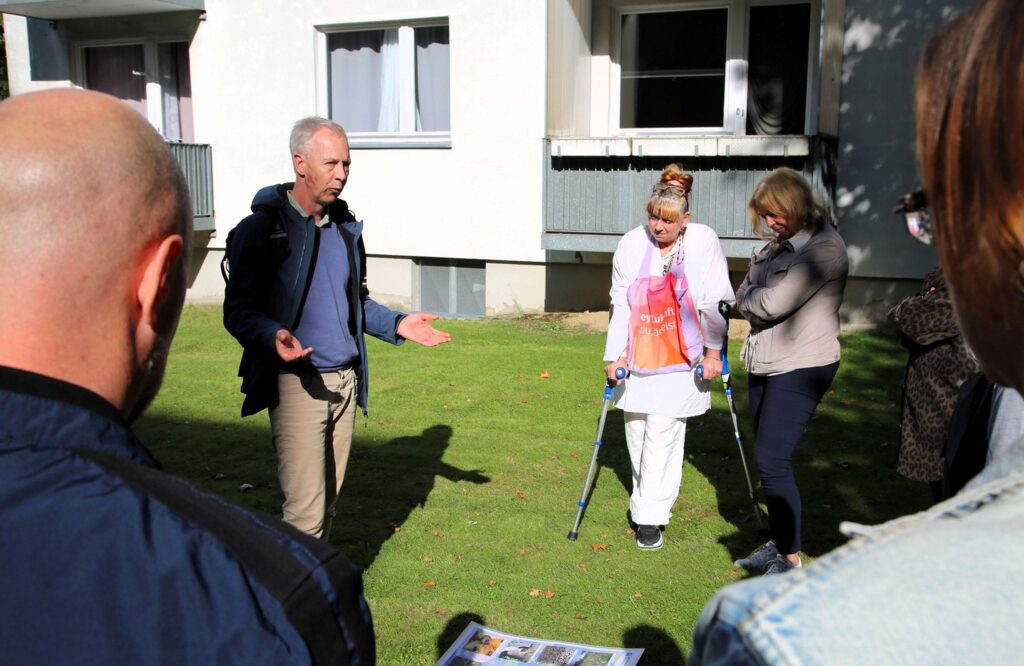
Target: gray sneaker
[[648, 537], [760, 558], [779, 565]]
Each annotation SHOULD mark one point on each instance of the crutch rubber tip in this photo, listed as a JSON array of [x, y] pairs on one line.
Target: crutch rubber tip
[[572, 536], [620, 373]]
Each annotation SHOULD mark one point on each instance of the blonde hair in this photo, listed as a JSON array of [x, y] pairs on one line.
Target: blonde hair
[[785, 192], [670, 199], [970, 146]]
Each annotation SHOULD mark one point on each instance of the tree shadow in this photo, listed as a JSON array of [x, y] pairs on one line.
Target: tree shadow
[[659, 648], [385, 483]]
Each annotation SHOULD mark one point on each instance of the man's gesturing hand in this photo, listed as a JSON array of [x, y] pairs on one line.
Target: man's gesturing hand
[[415, 327], [289, 348]]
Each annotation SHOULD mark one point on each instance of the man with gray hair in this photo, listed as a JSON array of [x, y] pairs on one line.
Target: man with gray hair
[[296, 300], [105, 559]]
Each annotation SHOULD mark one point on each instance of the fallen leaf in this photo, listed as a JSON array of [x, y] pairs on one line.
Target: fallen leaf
[[510, 610], [520, 496], [437, 534], [583, 565], [549, 594], [629, 531], [458, 558], [430, 583], [599, 599], [394, 528], [522, 551], [428, 558], [492, 582], [440, 611], [245, 487], [599, 546], [637, 595], [580, 616], [846, 403], [524, 402], [733, 573], [545, 374], [534, 592]]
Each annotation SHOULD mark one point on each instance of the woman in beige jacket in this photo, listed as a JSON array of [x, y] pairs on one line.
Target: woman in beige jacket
[[791, 297]]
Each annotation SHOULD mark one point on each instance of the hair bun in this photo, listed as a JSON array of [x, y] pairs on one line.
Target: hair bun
[[674, 174]]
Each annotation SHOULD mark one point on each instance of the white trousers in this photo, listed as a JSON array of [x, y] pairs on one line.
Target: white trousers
[[655, 446]]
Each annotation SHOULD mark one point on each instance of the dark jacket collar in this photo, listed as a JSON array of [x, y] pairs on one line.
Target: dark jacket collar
[[50, 413]]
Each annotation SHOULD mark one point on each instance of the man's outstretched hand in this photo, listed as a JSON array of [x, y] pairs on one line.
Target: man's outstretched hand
[[415, 327], [289, 348]]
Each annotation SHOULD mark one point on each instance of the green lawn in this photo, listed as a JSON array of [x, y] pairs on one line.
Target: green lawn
[[464, 480]]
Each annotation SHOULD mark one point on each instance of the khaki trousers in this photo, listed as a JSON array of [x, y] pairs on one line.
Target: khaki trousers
[[312, 427]]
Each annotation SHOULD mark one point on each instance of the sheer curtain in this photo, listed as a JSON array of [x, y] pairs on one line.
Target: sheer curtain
[[177, 90], [433, 106], [364, 80], [388, 119]]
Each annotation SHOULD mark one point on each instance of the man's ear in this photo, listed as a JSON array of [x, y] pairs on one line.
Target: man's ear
[[156, 283], [299, 164]]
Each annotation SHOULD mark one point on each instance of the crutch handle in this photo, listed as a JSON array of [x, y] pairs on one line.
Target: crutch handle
[[620, 373]]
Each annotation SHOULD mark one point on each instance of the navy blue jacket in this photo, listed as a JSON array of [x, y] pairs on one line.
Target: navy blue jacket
[[269, 279], [106, 560]]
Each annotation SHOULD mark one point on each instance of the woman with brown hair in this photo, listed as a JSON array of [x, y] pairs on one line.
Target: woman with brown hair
[[667, 280], [791, 297]]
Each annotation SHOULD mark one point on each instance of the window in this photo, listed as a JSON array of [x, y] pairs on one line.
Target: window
[[451, 288], [390, 85], [152, 78], [738, 67]]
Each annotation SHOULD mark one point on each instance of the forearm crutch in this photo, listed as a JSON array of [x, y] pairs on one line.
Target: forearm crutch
[[620, 373]]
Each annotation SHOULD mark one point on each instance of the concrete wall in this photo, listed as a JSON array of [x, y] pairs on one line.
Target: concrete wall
[[255, 70], [876, 162]]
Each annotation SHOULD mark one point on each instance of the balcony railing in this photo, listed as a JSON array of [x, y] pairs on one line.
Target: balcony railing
[[196, 161], [596, 189]]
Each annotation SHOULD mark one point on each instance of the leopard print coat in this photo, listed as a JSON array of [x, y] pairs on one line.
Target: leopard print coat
[[939, 363]]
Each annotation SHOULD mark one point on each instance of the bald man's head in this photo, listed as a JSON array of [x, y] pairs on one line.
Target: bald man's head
[[96, 232], [81, 167]]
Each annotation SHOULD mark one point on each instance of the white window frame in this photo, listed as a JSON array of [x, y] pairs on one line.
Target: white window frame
[[407, 136], [154, 91], [734, 102]]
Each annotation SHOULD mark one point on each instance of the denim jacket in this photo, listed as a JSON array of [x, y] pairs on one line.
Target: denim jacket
[[942, 586], [268, 283]]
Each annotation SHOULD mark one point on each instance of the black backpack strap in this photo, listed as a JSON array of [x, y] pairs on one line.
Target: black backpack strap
[[335, 633]]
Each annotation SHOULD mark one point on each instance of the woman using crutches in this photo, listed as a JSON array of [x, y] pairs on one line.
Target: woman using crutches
[[668, 277], [791, 297]]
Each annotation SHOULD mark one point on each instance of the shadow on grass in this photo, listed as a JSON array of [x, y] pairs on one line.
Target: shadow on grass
[[658, 646], [384, 482], [453, 628], [844, 464]]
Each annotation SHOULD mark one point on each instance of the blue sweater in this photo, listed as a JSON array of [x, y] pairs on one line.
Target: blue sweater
[[269, 282]]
